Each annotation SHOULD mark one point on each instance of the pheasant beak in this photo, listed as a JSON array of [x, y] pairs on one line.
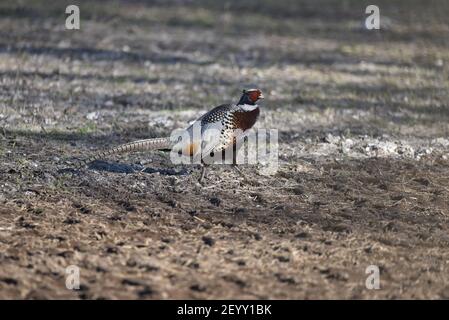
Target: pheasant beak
[[261, 96]]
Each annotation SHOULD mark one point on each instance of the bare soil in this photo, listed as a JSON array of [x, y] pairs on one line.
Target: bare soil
[[363, 127]]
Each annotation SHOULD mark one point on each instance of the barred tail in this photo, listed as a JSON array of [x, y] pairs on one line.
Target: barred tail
[[140, 145]]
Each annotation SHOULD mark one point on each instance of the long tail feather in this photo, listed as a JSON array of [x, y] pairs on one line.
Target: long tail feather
[[140, 145]]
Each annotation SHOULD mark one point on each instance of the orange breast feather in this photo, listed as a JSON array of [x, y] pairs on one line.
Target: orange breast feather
[[190, 149]]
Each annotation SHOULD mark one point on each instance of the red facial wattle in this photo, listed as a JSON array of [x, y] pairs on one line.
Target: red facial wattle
[[255, 95]]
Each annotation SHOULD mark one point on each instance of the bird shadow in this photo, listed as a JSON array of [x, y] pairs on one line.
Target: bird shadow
[[100, 165], [115, 167]]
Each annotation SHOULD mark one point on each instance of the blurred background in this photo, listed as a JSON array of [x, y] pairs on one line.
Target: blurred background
[[160, 55]]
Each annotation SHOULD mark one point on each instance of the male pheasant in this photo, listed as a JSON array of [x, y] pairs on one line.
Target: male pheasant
[[219, 129]]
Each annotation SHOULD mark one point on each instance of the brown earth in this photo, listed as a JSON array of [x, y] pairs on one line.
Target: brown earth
[[362, 180]]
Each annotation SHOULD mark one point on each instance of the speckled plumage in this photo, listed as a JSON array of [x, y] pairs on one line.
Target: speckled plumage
[[226, 124], [231, 121]]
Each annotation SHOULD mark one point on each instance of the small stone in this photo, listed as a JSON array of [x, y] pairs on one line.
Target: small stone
[[208, 240], [92, 115], [215, 201]]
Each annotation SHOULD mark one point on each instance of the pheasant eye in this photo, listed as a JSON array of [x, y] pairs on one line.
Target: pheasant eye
[[254, 96]]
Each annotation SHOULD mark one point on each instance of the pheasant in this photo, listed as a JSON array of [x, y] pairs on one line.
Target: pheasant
[[228, 124]]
